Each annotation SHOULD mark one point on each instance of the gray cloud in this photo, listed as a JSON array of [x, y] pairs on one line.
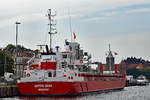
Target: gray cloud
[[32, 13]]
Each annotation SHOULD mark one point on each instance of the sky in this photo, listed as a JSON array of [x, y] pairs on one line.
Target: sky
[[124, 24]]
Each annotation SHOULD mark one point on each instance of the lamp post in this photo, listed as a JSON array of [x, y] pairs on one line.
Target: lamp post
[[17, 23]]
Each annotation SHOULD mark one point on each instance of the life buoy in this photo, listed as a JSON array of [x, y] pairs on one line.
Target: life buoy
[[28, 75], [81, 61]]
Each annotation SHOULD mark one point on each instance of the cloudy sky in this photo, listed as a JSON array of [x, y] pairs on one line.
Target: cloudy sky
[[125, 24]]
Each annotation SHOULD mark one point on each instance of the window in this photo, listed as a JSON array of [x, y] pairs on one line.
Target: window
[[49, 74], [64, 56]]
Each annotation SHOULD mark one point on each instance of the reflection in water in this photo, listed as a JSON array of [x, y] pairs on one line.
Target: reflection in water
[[129, 93]]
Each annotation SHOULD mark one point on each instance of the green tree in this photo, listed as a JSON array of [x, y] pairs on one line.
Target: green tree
[[146, 72], [7, 62], [136, 72], [133, 71]]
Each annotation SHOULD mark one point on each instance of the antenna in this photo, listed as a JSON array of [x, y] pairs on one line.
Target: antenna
[[70, 24], [52, 29], [40, 46], [109, 48]]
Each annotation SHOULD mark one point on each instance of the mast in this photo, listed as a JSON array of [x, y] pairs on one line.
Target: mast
[[70, 24], [109, 48], [110, 60], [52, 30]]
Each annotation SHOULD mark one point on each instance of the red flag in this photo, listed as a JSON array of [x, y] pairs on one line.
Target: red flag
[[74, 35]]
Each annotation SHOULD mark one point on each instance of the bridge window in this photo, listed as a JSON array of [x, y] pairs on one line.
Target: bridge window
[[49, 74], [64, 56]]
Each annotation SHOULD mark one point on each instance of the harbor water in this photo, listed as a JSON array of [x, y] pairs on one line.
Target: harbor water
[[128, 93]]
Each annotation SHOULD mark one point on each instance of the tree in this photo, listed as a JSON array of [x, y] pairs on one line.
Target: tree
[[133, 71], [5, 62]]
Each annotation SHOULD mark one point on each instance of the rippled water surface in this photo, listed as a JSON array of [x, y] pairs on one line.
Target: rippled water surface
[[129, 93]]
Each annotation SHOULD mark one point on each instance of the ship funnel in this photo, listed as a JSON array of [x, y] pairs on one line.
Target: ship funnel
[[47, 50]]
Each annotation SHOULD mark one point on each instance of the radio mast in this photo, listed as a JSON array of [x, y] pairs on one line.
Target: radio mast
[[52, 29]]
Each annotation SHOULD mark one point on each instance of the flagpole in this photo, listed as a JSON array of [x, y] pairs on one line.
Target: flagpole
[[74, 36], [70, 24]]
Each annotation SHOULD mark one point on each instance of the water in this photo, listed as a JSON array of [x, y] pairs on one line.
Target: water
[[129, 93]]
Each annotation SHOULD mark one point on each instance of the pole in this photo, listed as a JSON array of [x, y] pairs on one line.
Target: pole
[[110, 60], [50, 29], [5, 65], [70, 25], [109, 48], [17, 46]]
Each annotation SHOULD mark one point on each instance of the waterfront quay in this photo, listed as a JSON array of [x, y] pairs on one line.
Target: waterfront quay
[[8, 90]]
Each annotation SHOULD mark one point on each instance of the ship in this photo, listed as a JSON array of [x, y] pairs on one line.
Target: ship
[[52, 72]]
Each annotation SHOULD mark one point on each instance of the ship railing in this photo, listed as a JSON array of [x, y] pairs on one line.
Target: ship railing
[[100, 75]]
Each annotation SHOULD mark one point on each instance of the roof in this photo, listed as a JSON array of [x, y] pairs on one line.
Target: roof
[[140, 66]]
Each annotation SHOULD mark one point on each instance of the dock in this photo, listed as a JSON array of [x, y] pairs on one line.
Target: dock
[[8, 90], [139, 81]]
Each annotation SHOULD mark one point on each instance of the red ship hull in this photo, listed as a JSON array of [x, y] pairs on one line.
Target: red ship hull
[[68, 88]]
